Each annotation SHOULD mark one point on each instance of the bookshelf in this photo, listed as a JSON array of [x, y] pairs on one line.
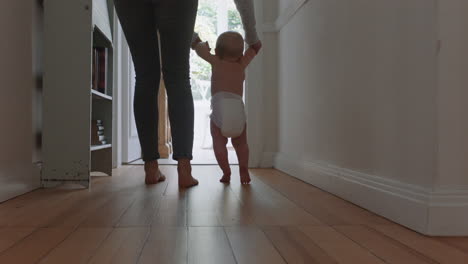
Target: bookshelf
[[100, 96], [100, 147], [78, 90]]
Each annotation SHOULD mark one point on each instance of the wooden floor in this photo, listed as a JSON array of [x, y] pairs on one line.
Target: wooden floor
[[276, 219]]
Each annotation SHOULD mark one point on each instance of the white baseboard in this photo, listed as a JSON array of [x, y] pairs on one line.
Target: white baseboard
[[448, 213], [421, 209], [19, 181]]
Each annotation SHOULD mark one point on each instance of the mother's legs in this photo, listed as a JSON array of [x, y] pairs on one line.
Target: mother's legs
[[139, 26], [176, 21]]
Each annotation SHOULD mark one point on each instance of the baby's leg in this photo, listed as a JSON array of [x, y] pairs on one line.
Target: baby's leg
[[221, 153], [242, 151]]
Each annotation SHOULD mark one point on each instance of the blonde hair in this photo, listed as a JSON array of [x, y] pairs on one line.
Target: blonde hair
[[230, 44]]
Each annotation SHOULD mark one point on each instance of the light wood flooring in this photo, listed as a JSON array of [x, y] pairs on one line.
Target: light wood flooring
[[276, 219]]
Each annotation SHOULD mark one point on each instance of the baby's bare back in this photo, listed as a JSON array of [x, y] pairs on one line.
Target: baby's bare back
[[228, 77]]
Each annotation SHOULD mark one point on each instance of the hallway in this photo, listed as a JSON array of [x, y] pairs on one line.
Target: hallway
[[276, 219]]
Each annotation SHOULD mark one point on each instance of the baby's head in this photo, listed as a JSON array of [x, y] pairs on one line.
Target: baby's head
[[230, 45]]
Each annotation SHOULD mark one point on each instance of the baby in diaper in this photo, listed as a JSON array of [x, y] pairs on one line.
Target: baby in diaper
[[228, 118]]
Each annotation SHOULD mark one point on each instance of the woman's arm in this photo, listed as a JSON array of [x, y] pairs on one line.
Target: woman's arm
[[247, 13]]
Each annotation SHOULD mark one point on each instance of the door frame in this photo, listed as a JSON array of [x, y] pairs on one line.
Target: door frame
[[254, 99], [122, 129]]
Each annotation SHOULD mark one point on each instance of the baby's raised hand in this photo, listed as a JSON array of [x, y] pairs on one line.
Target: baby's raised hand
[[204, 46], [203, 50], [257, 46]]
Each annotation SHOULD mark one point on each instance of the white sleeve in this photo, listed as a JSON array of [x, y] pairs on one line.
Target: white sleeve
[[247, 13]]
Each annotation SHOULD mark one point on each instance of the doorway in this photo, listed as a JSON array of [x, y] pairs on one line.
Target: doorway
[[213, 18]]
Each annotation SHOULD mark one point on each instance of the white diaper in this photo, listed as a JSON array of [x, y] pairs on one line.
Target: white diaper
[[228, 113]]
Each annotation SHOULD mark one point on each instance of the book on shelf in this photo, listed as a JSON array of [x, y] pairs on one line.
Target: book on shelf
[[95, 68], [98, 138], [96, 129], [101, 69], [97, 132], [97, 122], [99, 143]]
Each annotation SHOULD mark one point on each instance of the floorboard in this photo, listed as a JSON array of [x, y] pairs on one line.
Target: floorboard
[[275, 219]]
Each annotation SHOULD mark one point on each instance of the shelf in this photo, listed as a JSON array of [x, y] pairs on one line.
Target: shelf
[[101, 19], [99, 147], [82, 25], [101, 39], [101, 96]]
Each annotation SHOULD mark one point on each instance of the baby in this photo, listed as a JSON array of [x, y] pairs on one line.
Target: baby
[[228, 118]]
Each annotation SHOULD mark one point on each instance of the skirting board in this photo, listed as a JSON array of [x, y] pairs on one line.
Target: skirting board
[[427, 212], [13, 186], [55, 183]]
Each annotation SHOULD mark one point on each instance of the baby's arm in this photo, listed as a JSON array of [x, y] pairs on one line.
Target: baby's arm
[[203, 50], [249, 54]]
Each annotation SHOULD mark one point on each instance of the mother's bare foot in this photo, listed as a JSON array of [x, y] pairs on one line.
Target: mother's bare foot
[[244, 176], [152, 173], [226, 178], [184, 169]]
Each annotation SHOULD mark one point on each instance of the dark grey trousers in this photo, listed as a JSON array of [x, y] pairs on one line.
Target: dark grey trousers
[[175, 21]]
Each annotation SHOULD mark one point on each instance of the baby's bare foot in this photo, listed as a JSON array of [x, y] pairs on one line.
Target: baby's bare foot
[[162, 177], [152, 173], [244, 176], [184, 169], [226, 178]]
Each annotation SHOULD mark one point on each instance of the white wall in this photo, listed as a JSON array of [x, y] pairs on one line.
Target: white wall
[[453, 95], [261, 91], [363, 110], [358, 89], [17, 173], [269, 75], [270, 11], [283, 4], [451, 182]]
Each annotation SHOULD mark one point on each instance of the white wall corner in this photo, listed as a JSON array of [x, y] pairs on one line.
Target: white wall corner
[[254, 102], [284, 16], [448, 213], [421, 209], [289, 165], [267, 160], [269, 27]]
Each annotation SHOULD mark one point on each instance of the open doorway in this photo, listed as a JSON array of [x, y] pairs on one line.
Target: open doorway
[[213, 18]]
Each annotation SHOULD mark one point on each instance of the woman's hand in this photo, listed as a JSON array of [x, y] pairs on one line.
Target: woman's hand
[[257, 46], [195, 41]]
